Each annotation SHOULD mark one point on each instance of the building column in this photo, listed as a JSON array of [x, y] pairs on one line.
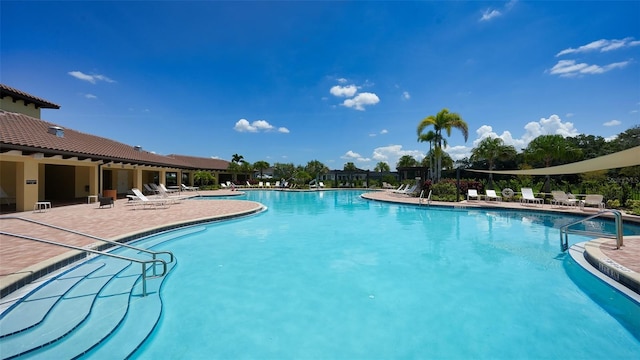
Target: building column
[[137, 178], [27, 193]]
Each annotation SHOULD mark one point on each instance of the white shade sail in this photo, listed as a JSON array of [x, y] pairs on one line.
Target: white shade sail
[[624, 158]]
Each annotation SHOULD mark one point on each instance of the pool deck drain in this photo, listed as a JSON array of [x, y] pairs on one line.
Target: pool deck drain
[[23, 259]]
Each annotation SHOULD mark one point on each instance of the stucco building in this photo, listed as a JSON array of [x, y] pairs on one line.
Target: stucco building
[[43, 161]]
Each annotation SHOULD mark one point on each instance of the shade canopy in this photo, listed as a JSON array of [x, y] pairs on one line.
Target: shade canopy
[[624, 158]]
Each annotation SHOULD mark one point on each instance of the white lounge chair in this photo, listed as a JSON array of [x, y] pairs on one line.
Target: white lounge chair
[[472, 193], [528, 197], [401, 188], [409, 191], [151, 190], [260, 184], [267, 184], [321, 184], [144, 201], [561, 198], [164, 189], [171, 196], [593, 200], [189, 188], [491, 195]]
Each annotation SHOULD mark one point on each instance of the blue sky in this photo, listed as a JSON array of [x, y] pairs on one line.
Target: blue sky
[[319, 80]]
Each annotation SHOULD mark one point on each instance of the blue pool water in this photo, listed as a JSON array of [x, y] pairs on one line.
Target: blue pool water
[[328, 275]]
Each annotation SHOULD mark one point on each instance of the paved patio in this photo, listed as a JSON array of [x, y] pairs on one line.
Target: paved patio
[[22, 260]]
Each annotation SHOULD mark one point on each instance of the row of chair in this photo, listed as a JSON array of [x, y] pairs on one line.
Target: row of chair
[[406, 189], [560, 198]]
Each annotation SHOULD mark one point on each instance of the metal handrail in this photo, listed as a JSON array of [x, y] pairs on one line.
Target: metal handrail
[[423, 198], [143, 262], [153, 253], [564, 240]]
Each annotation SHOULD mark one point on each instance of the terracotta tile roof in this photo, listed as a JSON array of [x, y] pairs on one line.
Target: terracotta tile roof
[[27, 98], [202, 163], [31, 135]]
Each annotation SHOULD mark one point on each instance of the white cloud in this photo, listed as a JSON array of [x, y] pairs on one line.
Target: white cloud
[[262, 125], [361, 100], [612, 123], [342, 80], [382, 132], [406, 95], [90, 96], [490, 14], [90, 78], [569, 68], [354, 156], [243, 125], [458, 152], [350, 155], [392, 153], [601, 45], [343, 91], [550, 126]]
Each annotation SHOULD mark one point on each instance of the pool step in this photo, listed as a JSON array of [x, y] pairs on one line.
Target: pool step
[[65, 315], [35, 306], [141, 319], [99, 299]]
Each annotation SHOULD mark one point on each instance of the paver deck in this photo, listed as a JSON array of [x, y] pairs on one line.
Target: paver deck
[[20, 258]]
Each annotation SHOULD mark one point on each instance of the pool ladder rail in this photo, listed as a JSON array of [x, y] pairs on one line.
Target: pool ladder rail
[[153, 262], [422, 199], [565, 230]]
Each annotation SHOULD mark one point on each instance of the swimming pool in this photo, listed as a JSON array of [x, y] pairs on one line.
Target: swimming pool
[[330, 275]]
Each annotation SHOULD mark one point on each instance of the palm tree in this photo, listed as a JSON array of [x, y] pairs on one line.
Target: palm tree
[[261, 165], [350, 168], [446, 121], [490, 150], [429, 137], [382, 167], [234, 168], [246, 168], [235, 158], [406, 161]]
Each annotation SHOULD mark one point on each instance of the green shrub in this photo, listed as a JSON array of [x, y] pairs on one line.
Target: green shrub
[[613, 204], [444, 191], [633, 206]]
